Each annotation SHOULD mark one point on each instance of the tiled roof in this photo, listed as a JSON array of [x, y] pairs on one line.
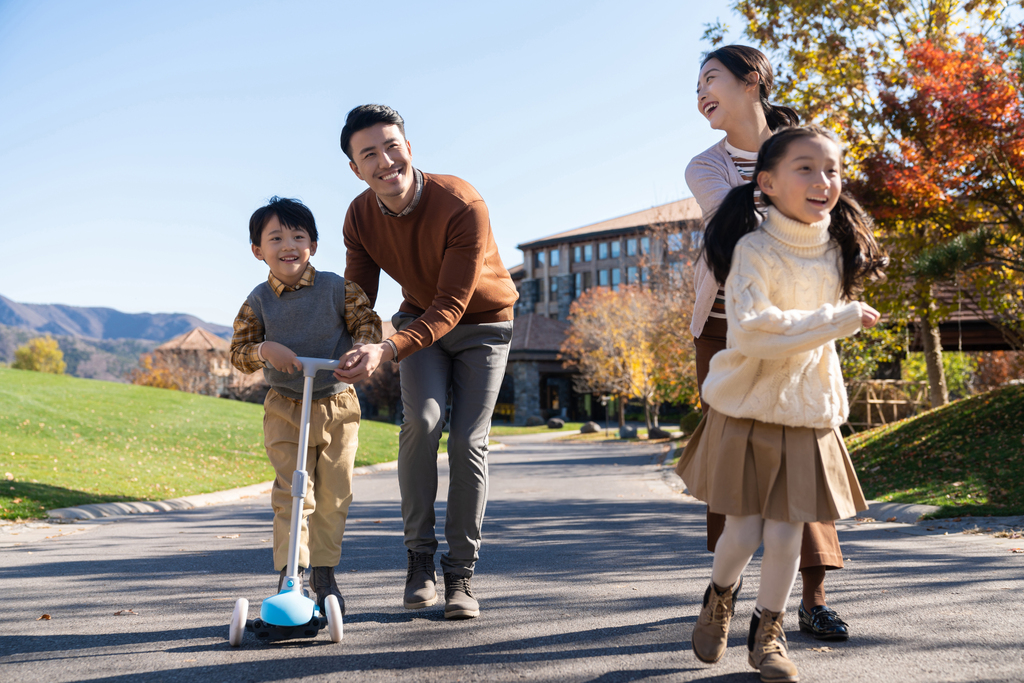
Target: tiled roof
[[682, 210], [196, 340], [532, 332]]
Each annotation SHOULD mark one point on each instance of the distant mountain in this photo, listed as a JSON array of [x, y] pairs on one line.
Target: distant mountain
[[101, 323]]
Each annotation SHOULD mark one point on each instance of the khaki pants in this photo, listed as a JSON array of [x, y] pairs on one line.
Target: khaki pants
[[333, 440]]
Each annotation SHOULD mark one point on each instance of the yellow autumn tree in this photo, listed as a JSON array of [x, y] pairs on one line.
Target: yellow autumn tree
[[41, 354]]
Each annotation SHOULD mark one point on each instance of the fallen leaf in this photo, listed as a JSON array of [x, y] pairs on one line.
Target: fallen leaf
[[823, 648], [1017, 550], [891, 519], [230, 536], [45, 617], [377, 521], [124, 612], [16, 501]]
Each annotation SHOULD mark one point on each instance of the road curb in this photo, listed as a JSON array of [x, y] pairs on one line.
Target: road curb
[[144, 507], [903, 513]]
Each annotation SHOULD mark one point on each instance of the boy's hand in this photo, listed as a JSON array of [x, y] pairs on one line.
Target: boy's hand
[[868, 315], [280, 357], [361, 362]]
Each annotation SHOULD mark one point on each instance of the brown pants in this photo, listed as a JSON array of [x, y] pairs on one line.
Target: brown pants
[[820, 546], [331, 454]]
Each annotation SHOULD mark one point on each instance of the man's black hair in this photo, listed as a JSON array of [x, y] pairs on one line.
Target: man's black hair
[[291, 213], [364, 116]]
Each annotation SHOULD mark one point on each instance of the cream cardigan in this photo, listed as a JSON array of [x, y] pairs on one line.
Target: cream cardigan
[[782, 300]]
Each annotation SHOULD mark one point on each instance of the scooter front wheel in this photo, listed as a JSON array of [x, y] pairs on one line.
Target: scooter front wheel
[[333, 610], [237, 627]]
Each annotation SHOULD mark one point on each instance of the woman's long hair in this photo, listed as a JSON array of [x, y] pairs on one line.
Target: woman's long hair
[[741, 61], [737, 215]]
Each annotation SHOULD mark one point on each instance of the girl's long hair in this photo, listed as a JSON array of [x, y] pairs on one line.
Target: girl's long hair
[[742, 61], [737, 215]]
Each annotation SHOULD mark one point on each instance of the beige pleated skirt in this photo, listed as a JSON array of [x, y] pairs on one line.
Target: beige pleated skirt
[[792, 474]]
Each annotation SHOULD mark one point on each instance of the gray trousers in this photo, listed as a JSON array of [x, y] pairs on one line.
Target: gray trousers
[[469, 363]]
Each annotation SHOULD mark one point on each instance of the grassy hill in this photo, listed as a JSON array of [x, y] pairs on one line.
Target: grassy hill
[[967, 457], [69, 441]]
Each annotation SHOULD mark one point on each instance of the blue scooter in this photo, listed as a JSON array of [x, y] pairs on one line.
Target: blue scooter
[[290, 614]]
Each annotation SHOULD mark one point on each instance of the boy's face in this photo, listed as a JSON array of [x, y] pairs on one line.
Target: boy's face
[[285, 250]]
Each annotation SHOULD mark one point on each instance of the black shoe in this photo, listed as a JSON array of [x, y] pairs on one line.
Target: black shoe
[[323, 583], [823, 623]]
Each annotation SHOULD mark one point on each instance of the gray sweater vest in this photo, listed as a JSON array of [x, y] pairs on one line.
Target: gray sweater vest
[[311, 322]]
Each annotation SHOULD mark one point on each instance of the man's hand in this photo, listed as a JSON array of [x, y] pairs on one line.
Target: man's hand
[[868, 315], [280, 357], [362, 361]]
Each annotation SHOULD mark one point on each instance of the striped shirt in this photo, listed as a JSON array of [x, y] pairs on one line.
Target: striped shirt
[[362, 323], [745, 163]]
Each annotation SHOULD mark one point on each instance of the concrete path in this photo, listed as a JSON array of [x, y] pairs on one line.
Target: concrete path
[[591, 570]]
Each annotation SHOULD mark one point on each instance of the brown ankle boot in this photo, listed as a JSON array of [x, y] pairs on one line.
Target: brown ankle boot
[[768, 649], [711, 633]]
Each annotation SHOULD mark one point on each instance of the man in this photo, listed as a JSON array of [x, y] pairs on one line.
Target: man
[[432, 234]]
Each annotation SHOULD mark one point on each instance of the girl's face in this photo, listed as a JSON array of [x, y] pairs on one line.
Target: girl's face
[[806, 183], [723, 99]]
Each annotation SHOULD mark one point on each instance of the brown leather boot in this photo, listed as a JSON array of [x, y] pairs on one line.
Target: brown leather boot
[[769, 650], [711, 633]]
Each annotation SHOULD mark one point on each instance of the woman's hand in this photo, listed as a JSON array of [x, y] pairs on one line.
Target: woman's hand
[[868, 315], [280, 357]]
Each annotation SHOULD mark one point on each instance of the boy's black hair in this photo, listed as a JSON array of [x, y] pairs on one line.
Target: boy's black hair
[[364, 116], [860, 255], [291, 213]]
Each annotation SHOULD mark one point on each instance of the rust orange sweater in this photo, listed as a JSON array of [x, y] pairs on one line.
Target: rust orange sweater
[[443, 255]]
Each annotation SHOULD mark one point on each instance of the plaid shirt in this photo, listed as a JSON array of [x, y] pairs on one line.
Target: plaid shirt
[[362, 323]]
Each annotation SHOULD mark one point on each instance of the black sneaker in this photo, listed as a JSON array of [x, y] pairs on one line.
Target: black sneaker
[[322, 583], [823, 623], [420, 581], [459, 602]]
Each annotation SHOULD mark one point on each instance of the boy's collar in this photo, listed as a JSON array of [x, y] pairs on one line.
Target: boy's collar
[[306, 280]]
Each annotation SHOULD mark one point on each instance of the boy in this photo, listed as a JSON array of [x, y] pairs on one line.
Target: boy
[[299, 311]]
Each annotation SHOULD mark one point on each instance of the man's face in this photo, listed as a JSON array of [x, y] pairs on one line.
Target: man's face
[[383, 158]]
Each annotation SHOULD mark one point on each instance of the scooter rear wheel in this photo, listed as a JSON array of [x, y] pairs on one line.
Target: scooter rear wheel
[[237, 627], [334, 626]]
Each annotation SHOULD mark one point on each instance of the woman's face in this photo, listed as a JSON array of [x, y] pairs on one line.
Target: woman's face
[[723, 99]]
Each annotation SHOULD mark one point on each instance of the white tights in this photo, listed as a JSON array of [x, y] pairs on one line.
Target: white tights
[[738, 543]]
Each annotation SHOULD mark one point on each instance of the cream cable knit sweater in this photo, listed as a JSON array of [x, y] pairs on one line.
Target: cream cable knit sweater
[[782, 299]]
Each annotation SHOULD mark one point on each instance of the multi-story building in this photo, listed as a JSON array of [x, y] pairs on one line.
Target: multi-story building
[[557, 269]]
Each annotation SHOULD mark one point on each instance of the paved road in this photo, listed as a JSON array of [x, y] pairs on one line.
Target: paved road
[[591, 571]]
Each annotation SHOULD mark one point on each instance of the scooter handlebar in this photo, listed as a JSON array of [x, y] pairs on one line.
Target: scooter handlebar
[[311, 366]]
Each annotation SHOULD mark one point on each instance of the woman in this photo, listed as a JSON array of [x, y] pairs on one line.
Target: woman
[[732, 94]]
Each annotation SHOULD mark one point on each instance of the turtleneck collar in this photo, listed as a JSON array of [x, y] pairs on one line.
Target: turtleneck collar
[[804, 237]]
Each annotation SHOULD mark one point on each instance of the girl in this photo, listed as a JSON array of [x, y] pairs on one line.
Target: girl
[[768, 454], [732, 93]]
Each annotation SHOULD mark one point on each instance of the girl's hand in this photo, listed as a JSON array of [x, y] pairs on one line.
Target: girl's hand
[[280, 357], [868, 315]]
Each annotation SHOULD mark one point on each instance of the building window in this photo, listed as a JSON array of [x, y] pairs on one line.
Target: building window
[[538, 259], [554, 285], [577, 254], [616, 279], [588, 252], [602, 251], [645, 245], [696, 239], [675, 242], [632, 275], [602, 278], [645, 275], [631, 247], [615, 248], [553, 259], [578, 284]]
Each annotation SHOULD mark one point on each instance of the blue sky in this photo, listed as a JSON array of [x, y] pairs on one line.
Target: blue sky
[[137, 137]]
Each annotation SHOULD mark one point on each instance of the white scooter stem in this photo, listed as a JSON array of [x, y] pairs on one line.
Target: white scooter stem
[[300, 478]]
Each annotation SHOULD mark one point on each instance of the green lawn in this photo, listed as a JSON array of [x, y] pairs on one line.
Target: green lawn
[[508, 430], [68, 441], [967, 457]]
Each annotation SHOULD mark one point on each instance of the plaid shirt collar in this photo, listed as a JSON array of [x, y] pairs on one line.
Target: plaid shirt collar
[[412, 205], [306, 281]]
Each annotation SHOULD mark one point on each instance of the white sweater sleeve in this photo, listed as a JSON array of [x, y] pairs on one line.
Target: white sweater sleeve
[[761, 329]]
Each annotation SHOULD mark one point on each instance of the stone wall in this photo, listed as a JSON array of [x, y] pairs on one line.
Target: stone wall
[[566, 294], [529, 295], [526, 376]]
